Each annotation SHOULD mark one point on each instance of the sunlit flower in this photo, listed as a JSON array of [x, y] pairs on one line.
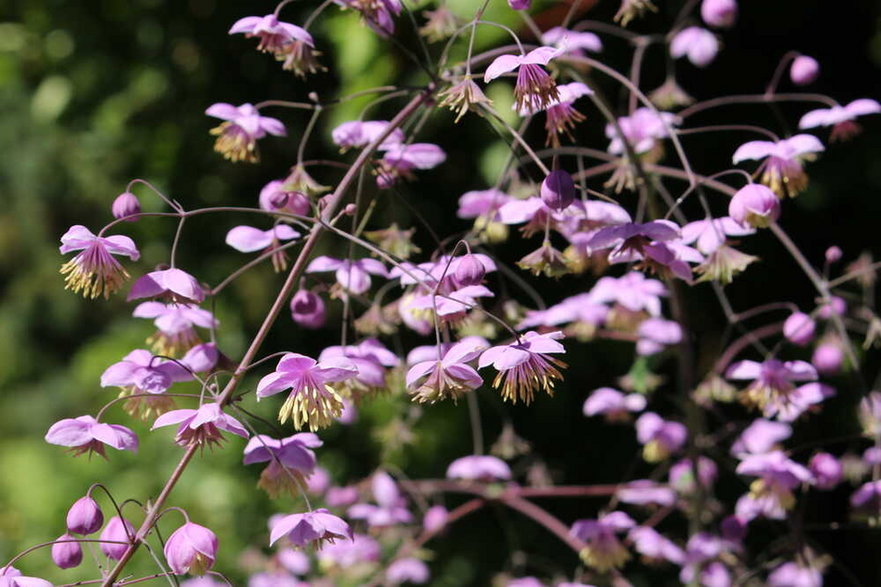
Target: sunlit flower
[[660, 438], [840, 118], [535, 89], [696, 43], [390, 507], [782, 166], [446, 377], [116, 537], [191, 549], [770, 495], [94, 271], [311, 527], [463, 96], [171, 284], [360, 133], [754, 205], [85, 434], [202, 426], [378, 14], [772, 381], [237, 136], [248, 239], [572, 42], [719, 13], [140, 372], [176, 325], [615, 405], [479, 468], [291, 461], [352, 275], [400, 161], [604, 551], [524, 367], [804, 70]]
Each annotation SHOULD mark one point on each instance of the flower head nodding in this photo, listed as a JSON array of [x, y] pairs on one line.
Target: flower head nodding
[[248, 239], [66, 552], [696, 43], [84, 516], [604, 550], [291, 461], [126, 207], [191, 549], [840, 118], [782, 166], [524, 366], [378, 14], [719, 13], [660, 438], [311, 527], [312, 401], [450, 376], [201, 427], [172, 284], [176, 326], [116, 537], [139, 372], [754, 205], [804, 70], [274, 35], [772, 386], [237, 135], [463, 96], [535, 89], [86, 434], [94, 271], [479, 468]]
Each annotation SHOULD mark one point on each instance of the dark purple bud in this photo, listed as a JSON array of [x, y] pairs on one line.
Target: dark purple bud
[[84, 516], [804, 70], [558, 190], [126, 205], [469, 271], [67, 555], [307, 309], [116, 537], [520, 4]]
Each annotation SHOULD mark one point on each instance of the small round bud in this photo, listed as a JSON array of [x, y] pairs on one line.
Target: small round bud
[[804, 70], [719, 13], [826, 469], [833, 254], [307, 309], [558, 190], [799, 328], [116, 537], [350, 209], [754, 205], [126, 205], [84, 516], [191, 549], [435, 518], [469, 271], [67, 555], [828, 358]]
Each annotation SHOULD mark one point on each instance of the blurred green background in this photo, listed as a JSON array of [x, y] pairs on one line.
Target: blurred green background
[[94, 93]]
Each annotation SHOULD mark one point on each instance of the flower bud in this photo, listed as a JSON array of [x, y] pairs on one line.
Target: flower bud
[[558, 190], [799, 328], [804, 70], [126, 205], [719, 13], [520, 4], [116, 537], [833, 254], [191, 549], [826, 469], [435, 518], [67, 555], [754, 205], [84, 516], [469, 271], [307, 309], [828, 358]]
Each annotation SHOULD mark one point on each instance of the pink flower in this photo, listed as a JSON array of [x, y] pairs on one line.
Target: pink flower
[[772, 381], [400, 161], [655, 334], [291, 461], [126, 206], [754, 205], [826, 470], [191, 549], [248, 239], [307, 309], [479, 468], [67, 552], [116, 537], [407, 570], [660, 438], [604, 550], [275, 196], [316, 526], [450, 376], [378, 14], [390, 508], [12, 577], [709, 234], [682, 474], [523, 366], [275, 36], [632, 291], [534, 89], [94, 271], [558, 190], [841, 118], [698, 44], [311, 400], [85, 434], [237, 136], [771, 495], [351, 275], [782, 169], [140, 372], [719, 13], [613, 404], [84, 516], [641, 130], [572, 42], [172, 283], [358, 133], [652, 545], [371, 359], [646, 492], [804, 70], [176, 325], [202, 426], [799, 328]]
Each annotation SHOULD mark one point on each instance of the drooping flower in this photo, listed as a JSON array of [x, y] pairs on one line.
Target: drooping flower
[[449, 376], [351, 275], [94, 271], [291, 461], [67, 552], [655, 334], [479, 468], [191, 549], [400, 161], [312, 401], [615, 405], [772, 381], [535, 89], [84, 516], [126, 206], [311, 527], [370, 358], [116, 537], [828, 356], [840, 118], [248, 239], [701, 565], [277, 196], [804, 70], [572, 42], [483, 206], [86, 434], [243, 125], [782, 169], [307, 309], [770, 495], [719, 13], [378, 14], [795, 574], [711, 233], [176, 325], [201, 426], [760, 437], [632, 291], [560, 114], [360, 133], [440, 24], [604, 551], [274, 35], [172, 284], [654, 547], [349, 553], [139, 372], [641, 130], [558, 190], [390, 508], [696, 43], [660, 438], [463, 96], [407, 570], [524, 367], [754, 205], [827, 471], [12, 577]]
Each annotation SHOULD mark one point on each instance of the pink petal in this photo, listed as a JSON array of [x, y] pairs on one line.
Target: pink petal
[[323, 263], [248, 239], [753, 150], [501, 65]]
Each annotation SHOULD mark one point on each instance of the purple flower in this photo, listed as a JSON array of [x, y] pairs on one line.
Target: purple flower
[[710, 234], [449, 376], [307, 309], [176, 325], [558, 190], [482, 203], [358, 133], [311, 400], [315, 526], [826, 470], [682, 474], [867, 497], [782, 167], [772, 384], [535, 89], [173, 284], [202, 426], [67, 552], [248, 239], [560, 114], [613, 404], [641, 130], [140, 372], [828, 357], [191, 549], [799, 328], [754, 205], [479, 468], [793, 574], [12, 577], [94, 271], [632, 291], [696, 43], [85, 434], [518, 5], [116, 537], [390, 508], [604, 550], [840, 118], [126, 206], [804, 70], [719, 13], [771, 495], [275, 36], [291, 461], [348, 553], [660, 438], [378, 14], [202, 358], [572, 42], [469, 271], [371, 359], [407, 570], [524, 367], [237, 135], [84, 516], [276, 196], [652, 545], [655, 334], [351, 275], [400, 161], [760, 437]]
